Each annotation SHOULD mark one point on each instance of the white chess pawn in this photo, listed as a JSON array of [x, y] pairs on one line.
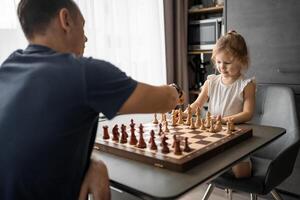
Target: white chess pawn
[[202, 127], [198, 118], [192, 124], [166, 129], [211, 129], [228, 131], [155, 121], [180, 119]]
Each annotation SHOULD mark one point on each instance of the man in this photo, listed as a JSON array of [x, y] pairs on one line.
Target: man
[[49, 104]]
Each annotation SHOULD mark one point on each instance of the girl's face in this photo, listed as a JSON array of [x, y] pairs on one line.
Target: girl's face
[[227, 65]]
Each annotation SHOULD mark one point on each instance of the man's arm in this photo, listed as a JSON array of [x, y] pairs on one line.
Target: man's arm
[[147, 98]]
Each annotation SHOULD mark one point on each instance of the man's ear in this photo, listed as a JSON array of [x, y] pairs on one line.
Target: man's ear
[[65, 19]]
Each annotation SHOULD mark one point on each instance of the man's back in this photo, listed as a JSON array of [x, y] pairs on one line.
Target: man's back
[[47, 123]]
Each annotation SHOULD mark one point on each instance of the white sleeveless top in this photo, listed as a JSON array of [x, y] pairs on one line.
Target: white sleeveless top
[[226, 100]]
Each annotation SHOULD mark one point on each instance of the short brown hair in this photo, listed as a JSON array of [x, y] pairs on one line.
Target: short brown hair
[[35, 15], [234, 44]]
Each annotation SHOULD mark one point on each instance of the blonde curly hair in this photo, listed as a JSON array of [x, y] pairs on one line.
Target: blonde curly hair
[[234, 44]]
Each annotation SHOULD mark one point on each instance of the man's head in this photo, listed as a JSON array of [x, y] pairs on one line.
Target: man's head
[[56, 23]]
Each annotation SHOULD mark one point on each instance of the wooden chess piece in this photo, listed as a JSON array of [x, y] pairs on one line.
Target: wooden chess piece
[[105, 133], [163, 118], [207, 119], [177, 149], [123, 139], [189, 115], [228, 131], [133, 140], [165, 149], [211, 128], [115, 132], [141, 128], [166, 129], [192, 124], [186, 145], [174, 118], [141, 144], [218, 125], [180, 119], [232, 127], [153, 146], [160, 131], [155, 121], [174, 139], [198, 118], [202, 127]]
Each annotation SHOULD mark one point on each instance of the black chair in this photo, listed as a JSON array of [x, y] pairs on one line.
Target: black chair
[[275, 106]]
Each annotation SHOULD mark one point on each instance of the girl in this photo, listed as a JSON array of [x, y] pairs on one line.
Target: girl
[[230, 94]]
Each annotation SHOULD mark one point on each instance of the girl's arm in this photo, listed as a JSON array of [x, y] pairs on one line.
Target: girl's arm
[[248, 108], [201, 99]]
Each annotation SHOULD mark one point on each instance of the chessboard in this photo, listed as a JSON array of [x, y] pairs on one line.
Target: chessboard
[[178, 147]]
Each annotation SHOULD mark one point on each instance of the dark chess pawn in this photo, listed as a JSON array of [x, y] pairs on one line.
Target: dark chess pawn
[[165, 149], [132, 124], [141, 144], [160, 129], [141, 128], [186, 145], [123, 131], [152, 141], [177, 149], [174, 140], [123, 137], [115, 132], [105, 133], [133, 140]]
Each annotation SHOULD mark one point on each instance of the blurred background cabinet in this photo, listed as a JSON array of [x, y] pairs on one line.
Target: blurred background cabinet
[[206, 25]]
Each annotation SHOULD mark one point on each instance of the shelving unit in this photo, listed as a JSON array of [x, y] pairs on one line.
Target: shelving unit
[[199, 60]]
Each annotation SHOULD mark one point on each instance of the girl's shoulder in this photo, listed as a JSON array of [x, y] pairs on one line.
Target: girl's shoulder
[[213, 77], [244, 81]]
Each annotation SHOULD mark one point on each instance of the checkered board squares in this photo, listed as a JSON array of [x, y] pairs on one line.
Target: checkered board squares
[[203, 145]]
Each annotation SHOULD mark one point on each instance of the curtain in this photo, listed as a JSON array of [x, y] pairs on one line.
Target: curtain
[[11, 35], [129, 34], [176, 24]]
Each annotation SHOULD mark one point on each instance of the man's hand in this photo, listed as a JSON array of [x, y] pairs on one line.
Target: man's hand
[[96, 182]]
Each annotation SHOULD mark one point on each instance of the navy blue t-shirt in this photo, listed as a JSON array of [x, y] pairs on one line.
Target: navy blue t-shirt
[[49, 106]]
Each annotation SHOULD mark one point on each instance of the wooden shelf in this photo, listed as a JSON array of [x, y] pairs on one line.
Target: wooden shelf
[[215, 9], [197, 52]]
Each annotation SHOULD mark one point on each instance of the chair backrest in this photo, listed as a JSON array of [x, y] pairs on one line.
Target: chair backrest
[[275, 106]]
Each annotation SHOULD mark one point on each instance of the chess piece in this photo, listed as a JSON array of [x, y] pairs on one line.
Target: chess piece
[[141, 128], [160, 129], [189, 115], [123, 139], [218, 125], [207, 120], [133, 140], [198, 118], [105, 133], [174, 118], [186, 145], [180, 119], [141, 144], [132, 124], [174, 139], [228, 131], [163, 118], [202, 127], [115, 132], [166, 129], [192, 124], [211, 126], [153, 146], [123, 131], [155, 121], [232, 127], [177, 149], [165, 149]]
